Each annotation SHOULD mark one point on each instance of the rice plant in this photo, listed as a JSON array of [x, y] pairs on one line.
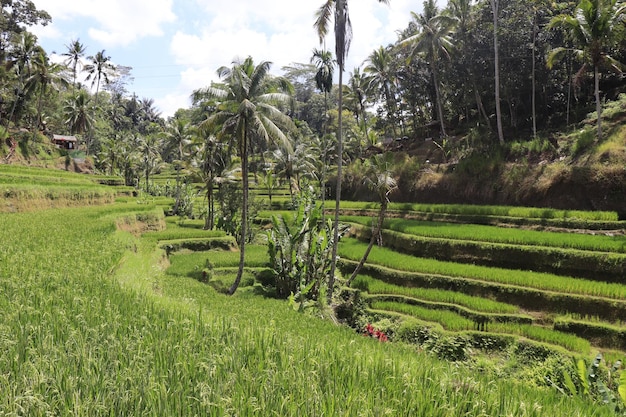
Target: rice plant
[[495, 234], [352, 249], [91, 326], [375, 286]]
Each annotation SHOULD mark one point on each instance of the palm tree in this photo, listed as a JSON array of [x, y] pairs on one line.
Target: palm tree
[[100, 68], [21, 58], [293, 163], [270, 182], [44, 76], [177, 137], [337, 10], [247, 112], [78, 114], [594, 28], [109, 155], [75, 52], [356, 94], [213, 162], [150, 156], [380, 180], [434, 40], [325, 65], [381, 79], [323, 149]]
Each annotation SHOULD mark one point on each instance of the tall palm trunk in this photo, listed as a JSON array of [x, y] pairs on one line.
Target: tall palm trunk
[[596, 74], [534, 78], [333, 265], [496, 61], [438, 98], [244, 211]]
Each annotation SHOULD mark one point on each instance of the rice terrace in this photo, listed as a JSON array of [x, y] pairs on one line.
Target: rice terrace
[[423, 238]]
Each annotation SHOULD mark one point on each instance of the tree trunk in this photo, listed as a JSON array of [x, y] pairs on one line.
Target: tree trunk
[[534, 64], [596, 74], [494, 7], [333, 264], [177, 202], [375, 234], [244, 212], [208, 222], [438, 97]]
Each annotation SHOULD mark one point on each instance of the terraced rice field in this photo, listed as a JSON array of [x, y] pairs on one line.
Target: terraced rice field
[[414, 280]]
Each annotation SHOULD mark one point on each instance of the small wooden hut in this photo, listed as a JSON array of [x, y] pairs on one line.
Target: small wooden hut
[[64, 142]]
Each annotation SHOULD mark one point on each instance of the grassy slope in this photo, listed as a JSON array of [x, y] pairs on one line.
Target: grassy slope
[[76, 342]]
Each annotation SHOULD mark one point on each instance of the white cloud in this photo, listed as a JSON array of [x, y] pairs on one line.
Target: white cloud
[[199, 36], [117, 22]]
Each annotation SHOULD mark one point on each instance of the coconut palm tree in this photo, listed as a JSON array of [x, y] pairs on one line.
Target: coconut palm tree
[[212, 160], [381, 79], [99, 69], [24, 51], [149, 156], [379, 179], [434, 41], [325, 64], [594, 27], [337, 11], [75, 52], [355, 93], [45, 75], [247, 112], [177, 136], [77, 111]]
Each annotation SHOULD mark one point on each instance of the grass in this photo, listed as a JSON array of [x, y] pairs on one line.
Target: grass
[[500, 235], [375, 286], [454, 322], [89, 327], [499, 211], [352, 249]]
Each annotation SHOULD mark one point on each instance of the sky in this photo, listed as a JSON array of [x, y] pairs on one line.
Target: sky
[[175, 46]]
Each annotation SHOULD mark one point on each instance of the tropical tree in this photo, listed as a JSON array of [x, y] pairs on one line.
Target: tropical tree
[[177, 136], [292, 163], [78, 114], [594, 27], [212, 160], [355, 93], [75, 52], [109, 155], [99, 69], [379, 179], [45, 75], [380, 78], [434, 41], [247, 112], [496, 63], [325, 64], [337, 11], [23, 52], [149, 156]]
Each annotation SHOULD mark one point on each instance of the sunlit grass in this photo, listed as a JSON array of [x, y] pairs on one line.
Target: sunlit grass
[[500, 235], [375, 286], [83, 334], [352, 249]]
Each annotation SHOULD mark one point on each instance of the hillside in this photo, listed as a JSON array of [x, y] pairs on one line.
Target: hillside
[[565, 170]]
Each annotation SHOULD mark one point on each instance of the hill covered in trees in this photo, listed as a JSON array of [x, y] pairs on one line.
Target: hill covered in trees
[[481, 102]]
